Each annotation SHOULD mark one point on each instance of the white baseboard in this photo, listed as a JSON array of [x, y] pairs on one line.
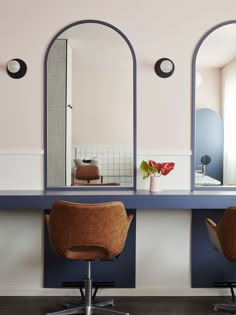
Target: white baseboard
[[33, 291]]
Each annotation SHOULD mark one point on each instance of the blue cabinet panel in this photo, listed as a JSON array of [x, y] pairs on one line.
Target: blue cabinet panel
[[121, 271], [208, 265]]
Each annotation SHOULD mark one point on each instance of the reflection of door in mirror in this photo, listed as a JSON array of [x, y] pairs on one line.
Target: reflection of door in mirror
[[215, 107], [90, 108]]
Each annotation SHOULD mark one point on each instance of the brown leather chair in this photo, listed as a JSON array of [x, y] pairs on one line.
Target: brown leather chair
[[87, 232], [223, 239]]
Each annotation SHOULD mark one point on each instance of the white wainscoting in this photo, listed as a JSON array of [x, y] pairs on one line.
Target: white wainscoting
[[21, 170], [163, 236], [21, 232]]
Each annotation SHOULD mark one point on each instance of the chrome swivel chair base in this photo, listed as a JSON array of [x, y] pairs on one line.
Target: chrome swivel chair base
[[225, 307], [230, 305], [87, 307], [97, 302], [87, 310]]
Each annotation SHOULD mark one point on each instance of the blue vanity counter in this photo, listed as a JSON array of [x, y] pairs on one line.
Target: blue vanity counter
[[207, 204], [167, 199]]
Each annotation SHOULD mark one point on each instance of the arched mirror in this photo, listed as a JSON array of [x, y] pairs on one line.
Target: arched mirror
[[214, 109], [90, 95]]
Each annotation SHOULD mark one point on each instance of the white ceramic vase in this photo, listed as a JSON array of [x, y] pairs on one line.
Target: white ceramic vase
[[155, 184]]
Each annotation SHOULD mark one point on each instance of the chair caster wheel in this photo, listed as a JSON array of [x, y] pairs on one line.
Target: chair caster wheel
[[215, 309]]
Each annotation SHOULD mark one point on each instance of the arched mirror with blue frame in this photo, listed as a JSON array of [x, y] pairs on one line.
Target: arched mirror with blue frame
[[214, 109], [90, 107]]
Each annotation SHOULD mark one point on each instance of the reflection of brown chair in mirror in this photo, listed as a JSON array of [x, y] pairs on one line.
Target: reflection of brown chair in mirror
[[87, 173], [84, 174], [88, 232], [223, 239]]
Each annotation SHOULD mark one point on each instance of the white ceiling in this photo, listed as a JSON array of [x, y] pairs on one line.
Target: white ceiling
[[95, 45], [218, 48]]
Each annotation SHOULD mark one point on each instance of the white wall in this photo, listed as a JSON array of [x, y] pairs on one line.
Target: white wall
[[156, 29], [208, 94]]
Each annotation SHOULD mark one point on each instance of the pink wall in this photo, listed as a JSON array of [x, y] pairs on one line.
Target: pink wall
[[155, 28], [102, 116]]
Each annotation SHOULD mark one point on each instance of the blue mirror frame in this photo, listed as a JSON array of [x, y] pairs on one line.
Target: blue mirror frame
[[65, 188], [193, 98]]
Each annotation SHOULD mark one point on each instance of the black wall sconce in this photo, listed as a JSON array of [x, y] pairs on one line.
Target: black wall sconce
[[164, 67], [16, 68]]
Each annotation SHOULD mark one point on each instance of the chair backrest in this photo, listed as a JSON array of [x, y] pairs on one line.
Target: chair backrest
[[87, 172], [225, 233], [88, 231]]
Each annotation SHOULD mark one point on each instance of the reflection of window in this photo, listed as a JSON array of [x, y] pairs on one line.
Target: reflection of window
[[229, 118]]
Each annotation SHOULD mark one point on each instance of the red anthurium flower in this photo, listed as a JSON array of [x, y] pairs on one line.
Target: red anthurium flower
[[155, 165], [167, 167], [152, 168]]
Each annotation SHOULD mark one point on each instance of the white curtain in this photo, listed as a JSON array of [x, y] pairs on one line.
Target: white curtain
[[228, 81]]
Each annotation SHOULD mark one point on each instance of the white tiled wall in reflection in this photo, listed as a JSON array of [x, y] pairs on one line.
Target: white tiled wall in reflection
[[115, 162]]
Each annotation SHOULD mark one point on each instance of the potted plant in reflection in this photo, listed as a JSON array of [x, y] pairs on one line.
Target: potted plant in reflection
[[154, 170]]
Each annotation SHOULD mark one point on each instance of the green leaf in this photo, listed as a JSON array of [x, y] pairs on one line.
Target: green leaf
[[144, 169], [147, 170]]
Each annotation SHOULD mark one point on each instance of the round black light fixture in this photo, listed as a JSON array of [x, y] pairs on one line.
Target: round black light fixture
[[16, 68], [164, 67]]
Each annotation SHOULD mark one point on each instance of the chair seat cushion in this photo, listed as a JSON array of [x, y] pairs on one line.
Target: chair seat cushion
[[87, 172]]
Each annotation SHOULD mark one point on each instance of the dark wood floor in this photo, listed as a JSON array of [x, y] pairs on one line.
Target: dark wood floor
[[133, 305]]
